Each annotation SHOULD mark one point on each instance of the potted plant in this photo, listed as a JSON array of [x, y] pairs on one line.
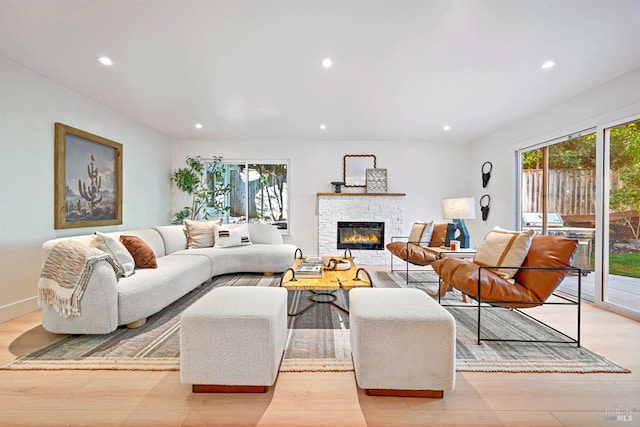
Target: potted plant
[[204, 182]]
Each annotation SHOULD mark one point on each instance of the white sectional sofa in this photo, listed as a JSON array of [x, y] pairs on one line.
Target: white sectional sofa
[[109, 302]]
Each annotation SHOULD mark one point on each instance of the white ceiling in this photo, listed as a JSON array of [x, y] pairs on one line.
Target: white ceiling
[[250, 69]]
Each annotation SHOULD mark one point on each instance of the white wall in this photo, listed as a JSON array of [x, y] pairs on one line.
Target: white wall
[[616, 99], [29, 107], [419, 169]]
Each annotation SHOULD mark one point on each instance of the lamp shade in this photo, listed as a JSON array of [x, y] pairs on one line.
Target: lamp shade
[[460, 208]]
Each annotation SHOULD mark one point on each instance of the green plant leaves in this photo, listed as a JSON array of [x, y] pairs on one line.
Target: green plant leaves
[[204, 182]]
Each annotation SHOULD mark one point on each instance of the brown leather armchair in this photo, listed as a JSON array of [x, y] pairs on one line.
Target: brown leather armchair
[[547, 263], [415, 252]]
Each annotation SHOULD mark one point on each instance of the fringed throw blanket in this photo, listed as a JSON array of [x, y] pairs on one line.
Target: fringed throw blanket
[[65, 274]]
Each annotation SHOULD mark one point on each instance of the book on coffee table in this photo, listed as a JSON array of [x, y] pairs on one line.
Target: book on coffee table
[[313, 260], [309, 272]]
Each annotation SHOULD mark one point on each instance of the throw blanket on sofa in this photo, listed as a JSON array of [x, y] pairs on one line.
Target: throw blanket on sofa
[[65, 275]]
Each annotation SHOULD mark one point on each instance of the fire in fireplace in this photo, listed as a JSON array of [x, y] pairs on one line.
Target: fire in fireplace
[[368, 236]]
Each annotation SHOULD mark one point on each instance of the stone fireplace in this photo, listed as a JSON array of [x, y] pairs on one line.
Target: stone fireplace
[[383, 208]]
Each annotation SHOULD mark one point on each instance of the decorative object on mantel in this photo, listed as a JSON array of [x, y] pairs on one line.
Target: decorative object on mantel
[[337, 186], [355, 167], [376, 180], [485, 208], [458, 210], [486, 176]]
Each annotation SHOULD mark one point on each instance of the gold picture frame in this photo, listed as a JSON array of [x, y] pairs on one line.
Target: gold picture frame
[[88, 179]]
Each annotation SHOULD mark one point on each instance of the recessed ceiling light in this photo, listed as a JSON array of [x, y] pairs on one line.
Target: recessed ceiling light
[[327, 62], [547, 64], [198, 125], [446, 128], [323, 126], [104, 60]]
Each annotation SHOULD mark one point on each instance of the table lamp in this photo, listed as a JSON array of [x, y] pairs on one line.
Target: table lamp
[[458, 210]]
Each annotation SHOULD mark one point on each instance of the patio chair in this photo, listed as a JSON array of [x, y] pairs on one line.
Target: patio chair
[[547, 263]]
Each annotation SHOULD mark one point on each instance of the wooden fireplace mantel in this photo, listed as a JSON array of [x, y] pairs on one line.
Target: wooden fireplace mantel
[[360, 194]]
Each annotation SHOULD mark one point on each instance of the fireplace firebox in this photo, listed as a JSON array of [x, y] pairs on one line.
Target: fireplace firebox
[[368, 236]]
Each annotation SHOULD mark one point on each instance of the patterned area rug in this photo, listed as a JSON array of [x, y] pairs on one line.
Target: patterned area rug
[[318, 339]]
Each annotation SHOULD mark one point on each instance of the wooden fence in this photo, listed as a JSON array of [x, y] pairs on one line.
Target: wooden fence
[[571, 192], [255, 210]]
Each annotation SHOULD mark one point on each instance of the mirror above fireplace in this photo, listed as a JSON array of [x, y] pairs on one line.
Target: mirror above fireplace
[[355, 169]]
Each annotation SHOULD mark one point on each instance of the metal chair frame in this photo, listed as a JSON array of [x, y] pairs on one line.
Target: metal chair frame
[[501, 304], [407, 269]]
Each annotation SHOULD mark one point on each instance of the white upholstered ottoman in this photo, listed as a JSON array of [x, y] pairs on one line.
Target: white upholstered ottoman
[[233, 338], [403, 342]]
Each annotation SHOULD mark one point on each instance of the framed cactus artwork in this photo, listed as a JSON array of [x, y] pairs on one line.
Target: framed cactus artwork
[[88, 179]]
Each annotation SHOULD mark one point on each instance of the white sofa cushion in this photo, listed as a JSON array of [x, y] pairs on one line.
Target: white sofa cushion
[[267, 234], [150, 290], [246, 259], [150, 236], [174, 237]]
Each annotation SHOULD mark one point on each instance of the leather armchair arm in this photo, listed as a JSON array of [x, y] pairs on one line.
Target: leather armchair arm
[[406, 239]]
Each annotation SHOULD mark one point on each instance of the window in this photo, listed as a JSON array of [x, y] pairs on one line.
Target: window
[[257, 191]]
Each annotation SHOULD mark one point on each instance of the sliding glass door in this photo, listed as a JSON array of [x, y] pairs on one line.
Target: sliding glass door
[[558, 197], [621, 284], [587, 186]]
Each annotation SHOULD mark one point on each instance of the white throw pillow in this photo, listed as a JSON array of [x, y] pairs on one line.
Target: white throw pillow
[[504, 247], [117, 250], [230, 235], [200, 234], [421, 232], [427, 233]]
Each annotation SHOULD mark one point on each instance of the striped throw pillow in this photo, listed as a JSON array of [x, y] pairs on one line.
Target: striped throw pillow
[[504, 248]]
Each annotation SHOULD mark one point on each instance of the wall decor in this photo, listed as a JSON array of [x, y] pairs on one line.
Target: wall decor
[[376, 180], [486, 176], [88, 179], [484, 208], [355, 167]]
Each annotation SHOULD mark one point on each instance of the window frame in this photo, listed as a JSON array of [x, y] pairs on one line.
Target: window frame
[[248, 161]]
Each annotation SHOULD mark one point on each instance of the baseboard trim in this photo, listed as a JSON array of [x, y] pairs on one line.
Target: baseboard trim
[[433, 394], [18, 308], [210, 388]]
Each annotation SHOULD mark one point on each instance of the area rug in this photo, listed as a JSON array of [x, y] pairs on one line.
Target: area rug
[[319, 339]]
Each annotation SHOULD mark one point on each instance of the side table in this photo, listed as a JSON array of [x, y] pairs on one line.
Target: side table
[[444, 252]]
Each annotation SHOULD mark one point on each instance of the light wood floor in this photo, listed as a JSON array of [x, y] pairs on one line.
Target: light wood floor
[[109, 398]]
